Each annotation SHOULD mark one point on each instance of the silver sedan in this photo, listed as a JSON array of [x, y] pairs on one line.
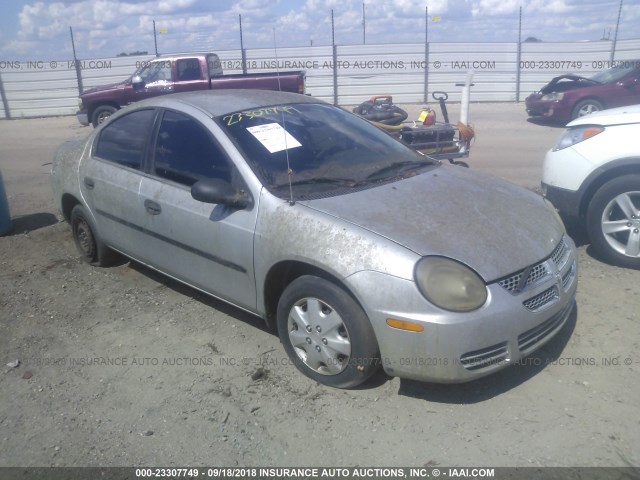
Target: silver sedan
[[359, 251]]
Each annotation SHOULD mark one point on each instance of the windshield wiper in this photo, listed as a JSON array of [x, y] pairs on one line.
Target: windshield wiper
[[346, 182], [404, 165]]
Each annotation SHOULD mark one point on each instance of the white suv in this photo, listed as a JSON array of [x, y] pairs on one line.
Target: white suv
[[593, 174]]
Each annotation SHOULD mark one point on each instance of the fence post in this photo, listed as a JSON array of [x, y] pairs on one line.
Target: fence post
[[155, 38], [518, 58], [5, 102], [426, 55], [335, 61], [243, 52], [615, 36], [76, 63]]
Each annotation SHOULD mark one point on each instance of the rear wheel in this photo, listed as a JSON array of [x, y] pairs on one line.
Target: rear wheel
[[613, 221], [585, 107], [326, 333], [91, 248]]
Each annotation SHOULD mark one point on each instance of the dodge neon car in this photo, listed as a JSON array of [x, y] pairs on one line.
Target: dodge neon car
[[359, 251]]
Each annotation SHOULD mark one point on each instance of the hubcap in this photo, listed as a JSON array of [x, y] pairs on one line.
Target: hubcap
[[103, 116], [587, 109], [319, 336], [621, 224]]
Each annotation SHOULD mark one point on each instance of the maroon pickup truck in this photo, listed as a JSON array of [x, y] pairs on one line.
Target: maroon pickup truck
[[173, 74]]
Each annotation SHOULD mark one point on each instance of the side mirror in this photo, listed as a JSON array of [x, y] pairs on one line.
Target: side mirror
[[137, 82], [214, 190]]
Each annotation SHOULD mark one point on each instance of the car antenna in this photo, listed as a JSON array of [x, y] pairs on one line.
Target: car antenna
[[284, 124]]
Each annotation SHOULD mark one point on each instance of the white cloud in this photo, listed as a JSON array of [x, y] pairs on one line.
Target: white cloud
[[107, 27]]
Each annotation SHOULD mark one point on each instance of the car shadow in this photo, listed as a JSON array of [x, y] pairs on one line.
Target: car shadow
[[201, 297], [28, 223], [546, 122], [472, 392], [496, 384]]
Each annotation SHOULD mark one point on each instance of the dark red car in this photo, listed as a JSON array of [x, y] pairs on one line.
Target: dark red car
[[570, 96]]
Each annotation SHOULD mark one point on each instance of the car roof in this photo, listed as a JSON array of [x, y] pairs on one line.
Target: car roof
[[221, 102]]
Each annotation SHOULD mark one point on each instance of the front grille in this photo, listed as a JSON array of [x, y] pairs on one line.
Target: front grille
[[537, 272], [485, 358], [559, 254], [567, 278], [542, 299], [511, 283], [529, 339]]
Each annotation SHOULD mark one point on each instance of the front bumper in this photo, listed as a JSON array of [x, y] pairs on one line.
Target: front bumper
[[566, 201], [550, 109], [517, 319], [83, 117]]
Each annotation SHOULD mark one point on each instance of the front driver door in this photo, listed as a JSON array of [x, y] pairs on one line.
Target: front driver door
[[207, 246]]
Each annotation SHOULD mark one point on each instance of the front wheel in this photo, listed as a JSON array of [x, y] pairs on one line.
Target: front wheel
[[101, 113], [585, 107], [613, 221], [326, 333]]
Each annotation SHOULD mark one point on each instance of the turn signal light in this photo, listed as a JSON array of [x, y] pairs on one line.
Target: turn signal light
[[404, 325]]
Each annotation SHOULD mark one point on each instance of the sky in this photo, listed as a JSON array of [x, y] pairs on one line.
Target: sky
[[39, 29]]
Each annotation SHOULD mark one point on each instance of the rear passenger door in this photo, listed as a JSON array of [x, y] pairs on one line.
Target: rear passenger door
[[208, 246], [110, 180]]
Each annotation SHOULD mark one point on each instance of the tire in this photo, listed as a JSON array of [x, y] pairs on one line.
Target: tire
[[101, 113], [337, 347], [585, 107], [613, 221], [91, 248]]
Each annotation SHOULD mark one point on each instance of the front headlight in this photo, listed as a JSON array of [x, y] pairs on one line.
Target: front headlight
[[449, 284], [571, 136], [552, 97]]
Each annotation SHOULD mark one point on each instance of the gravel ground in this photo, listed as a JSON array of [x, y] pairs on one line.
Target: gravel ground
[[122, 367]]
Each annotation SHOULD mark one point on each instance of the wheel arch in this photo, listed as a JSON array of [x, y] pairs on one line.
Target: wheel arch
[[67, 203], [614, 169], [281, 274]]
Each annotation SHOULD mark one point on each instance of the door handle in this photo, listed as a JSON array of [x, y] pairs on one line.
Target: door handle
[[88, 181], [152, 207]]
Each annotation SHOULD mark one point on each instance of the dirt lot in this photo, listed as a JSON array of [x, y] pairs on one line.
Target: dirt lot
[[196, 382]]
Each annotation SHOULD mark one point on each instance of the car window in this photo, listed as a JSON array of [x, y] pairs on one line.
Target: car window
[[188, 69], [124, 140], [186, 153], [156, 72], [613, 74], [318, 147]]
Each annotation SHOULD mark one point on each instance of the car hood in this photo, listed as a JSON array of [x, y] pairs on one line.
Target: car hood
[[492, 226], [564, 83], [613, 116]]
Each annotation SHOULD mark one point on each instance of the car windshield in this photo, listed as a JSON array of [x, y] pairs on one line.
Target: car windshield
[[324, 149], [613, 74]]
